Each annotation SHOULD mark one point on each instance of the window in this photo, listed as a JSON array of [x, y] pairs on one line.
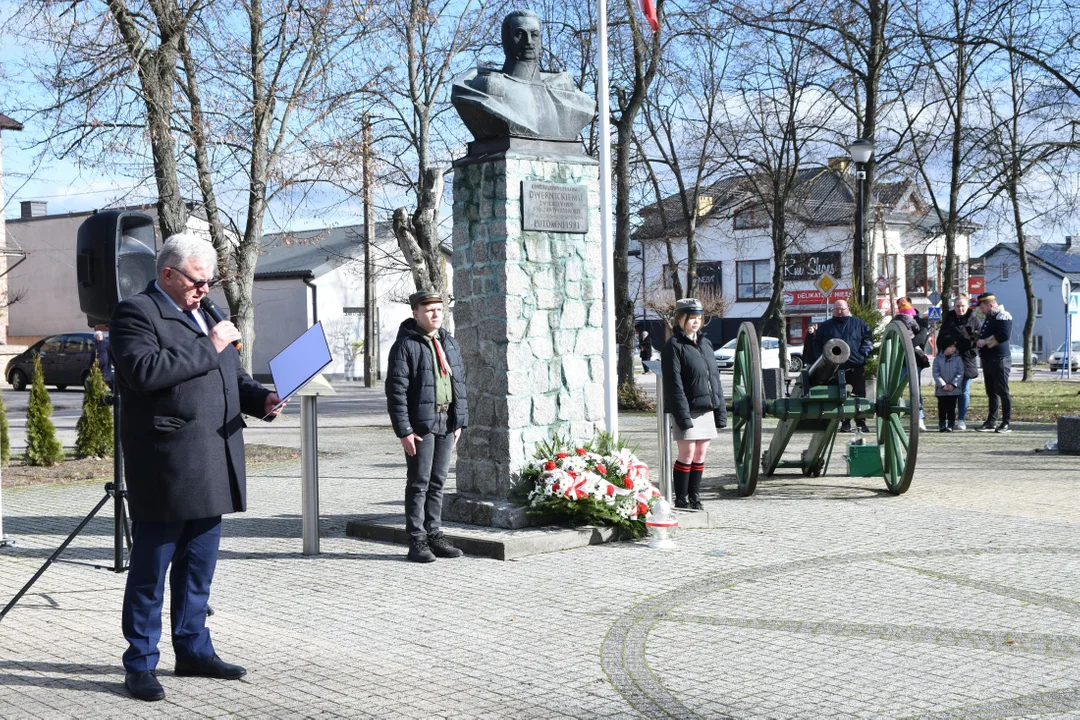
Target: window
[[1037, 344], [75, 344], [753, 280], [1038, 307], [923, 274], [666, 273], [751, 218], [710, 279], [886, 266], [51, 346]]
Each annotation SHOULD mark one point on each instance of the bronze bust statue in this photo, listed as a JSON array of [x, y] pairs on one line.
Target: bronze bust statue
[[519, 100]]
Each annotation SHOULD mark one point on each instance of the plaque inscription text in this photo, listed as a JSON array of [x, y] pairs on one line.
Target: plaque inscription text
[[554, 207]]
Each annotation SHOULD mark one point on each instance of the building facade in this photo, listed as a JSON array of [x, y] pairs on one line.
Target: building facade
[[1048, 264], [735, 252]]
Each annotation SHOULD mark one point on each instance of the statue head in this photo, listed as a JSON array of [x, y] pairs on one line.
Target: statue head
[[522, 38]]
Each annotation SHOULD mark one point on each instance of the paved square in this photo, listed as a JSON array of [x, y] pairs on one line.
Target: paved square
[[815, 598]]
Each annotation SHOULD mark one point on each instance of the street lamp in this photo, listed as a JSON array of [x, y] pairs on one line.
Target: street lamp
[[861, 151]]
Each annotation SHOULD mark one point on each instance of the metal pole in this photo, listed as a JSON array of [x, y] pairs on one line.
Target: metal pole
[[663, 436], [607, 249], [119, 522], [369, 262], [5, 541], [309, 471], [860, 222]]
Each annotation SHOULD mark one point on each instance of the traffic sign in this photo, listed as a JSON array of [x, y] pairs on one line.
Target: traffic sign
[[1066, 288], [1074, 303], [934, 314], [934, 297], [825, 284]]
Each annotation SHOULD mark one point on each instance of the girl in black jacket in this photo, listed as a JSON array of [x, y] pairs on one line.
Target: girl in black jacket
[[693, 397]]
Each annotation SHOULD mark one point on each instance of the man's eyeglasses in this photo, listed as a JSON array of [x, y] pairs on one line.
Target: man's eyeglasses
[[197, 283]]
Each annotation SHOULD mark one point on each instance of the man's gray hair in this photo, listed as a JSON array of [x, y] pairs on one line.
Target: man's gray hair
[[180, 247]]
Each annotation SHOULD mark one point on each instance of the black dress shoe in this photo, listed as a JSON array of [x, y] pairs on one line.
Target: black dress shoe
[[696, 505], [144, 686], [441, 547], [211, 667]]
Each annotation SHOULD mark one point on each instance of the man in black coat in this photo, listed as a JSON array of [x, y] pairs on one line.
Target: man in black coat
[[182, 391], [996, 356], [959, 327], [101, 354], [859, 338], [428, 407]]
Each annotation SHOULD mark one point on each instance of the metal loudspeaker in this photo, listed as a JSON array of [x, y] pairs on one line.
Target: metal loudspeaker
[[115, 257]]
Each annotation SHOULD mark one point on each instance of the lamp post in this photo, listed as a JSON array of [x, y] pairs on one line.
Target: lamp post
[[861, 151]]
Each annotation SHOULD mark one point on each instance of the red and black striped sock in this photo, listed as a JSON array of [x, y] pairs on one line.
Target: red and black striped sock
[[680, 477], [694, 480]]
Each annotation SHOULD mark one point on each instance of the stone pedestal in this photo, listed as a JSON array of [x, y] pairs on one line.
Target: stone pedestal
[[1068, 432], [528, 317]]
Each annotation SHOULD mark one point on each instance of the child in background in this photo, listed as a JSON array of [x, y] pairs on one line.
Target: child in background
[[948, 376]]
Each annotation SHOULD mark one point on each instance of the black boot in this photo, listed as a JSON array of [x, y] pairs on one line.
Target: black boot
[[681, 479], [694, 485]]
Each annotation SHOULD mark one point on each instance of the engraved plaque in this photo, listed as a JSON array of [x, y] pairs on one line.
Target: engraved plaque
[[554, 207]]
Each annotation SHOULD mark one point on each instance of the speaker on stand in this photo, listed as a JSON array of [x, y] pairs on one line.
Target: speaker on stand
[[116, 257]]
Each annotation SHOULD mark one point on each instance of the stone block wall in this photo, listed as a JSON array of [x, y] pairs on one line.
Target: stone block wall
[[528, 316]]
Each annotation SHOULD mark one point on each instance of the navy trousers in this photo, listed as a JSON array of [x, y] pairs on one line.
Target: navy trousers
[[192, 549]]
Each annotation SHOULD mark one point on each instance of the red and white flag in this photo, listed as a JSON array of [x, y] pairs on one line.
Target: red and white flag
[[649, 9]]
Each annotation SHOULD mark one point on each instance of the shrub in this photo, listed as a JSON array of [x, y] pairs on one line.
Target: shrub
[[95, 428], [5, 440], [42, 445], [634, 398], [873, 317]]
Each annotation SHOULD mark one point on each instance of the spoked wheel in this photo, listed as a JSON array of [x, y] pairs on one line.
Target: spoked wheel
[[897, 408], [746, 404]]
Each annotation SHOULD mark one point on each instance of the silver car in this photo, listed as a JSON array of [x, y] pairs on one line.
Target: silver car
[[1057, 358]]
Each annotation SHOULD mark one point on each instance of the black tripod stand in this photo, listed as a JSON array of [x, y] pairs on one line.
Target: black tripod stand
[[121, 527]]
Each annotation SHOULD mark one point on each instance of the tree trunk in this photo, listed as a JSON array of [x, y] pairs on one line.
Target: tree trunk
[[624, 305], [1025, 272]]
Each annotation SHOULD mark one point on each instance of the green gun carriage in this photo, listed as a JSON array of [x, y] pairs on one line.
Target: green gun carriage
[[818, 403]]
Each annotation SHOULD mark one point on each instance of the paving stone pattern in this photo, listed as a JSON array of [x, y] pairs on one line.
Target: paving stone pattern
[[814, 599]]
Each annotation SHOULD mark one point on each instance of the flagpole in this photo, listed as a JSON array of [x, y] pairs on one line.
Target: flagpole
[[607, 248]]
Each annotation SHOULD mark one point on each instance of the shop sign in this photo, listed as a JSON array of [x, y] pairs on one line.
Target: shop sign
[[814, 297], [810, 266]]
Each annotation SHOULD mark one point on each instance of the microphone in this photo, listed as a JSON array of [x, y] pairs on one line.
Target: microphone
[[211, 308]]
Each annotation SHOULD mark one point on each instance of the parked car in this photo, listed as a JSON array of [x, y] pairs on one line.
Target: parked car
[[1057, 358], [65, 360], [770, 355]]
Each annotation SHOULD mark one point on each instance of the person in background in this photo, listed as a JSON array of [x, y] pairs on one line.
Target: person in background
[[919, 330], [996, 356], [809, 354], [645, 349], [860, 340], [948, 374], [960, 327], [101, 354], [693, 397]]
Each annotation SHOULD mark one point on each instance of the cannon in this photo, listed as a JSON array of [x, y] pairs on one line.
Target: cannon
[[818, 403]]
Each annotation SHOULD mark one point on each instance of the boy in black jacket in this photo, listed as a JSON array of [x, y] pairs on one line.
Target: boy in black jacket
[[993, 345], [425, 396]]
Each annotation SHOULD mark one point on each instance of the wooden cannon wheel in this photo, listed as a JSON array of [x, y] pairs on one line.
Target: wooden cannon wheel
[[897, 408], [746, 409]]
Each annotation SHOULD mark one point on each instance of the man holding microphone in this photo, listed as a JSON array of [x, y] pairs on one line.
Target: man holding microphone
[[182, 391]]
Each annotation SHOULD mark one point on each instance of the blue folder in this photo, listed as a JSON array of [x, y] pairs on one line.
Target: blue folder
[[303, 359]]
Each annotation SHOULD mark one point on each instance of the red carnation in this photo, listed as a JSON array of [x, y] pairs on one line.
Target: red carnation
[[549, 465], [642, 508], [555, 487], [610, 489], [629, 483], [561, 455], [581, 451]]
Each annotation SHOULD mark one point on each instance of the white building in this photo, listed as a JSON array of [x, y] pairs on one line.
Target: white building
[[1048, 264], [318, 276], [735, 256]]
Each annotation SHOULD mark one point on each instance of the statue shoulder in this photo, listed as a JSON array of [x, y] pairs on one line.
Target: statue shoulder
[[558, 80], [484, 80]]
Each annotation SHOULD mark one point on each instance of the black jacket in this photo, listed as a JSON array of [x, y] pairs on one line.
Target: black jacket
[[999, 327], [410, 382], [691, 380], [101, 354], [961, 330], [851, 330], [181, 401], [919, 332]]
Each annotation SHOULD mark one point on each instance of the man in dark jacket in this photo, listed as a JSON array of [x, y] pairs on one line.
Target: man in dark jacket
[[857, 335], [959, 327], [426, 399], [101, 354], [996, 356], [182, 391]]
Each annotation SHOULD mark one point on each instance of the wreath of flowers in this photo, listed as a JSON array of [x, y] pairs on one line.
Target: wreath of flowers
[[599, 483]]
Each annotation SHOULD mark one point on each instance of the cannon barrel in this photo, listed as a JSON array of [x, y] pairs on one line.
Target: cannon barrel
[[834, 354]]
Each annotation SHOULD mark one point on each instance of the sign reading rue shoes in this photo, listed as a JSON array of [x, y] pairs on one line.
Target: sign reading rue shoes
[[811, 266], [554, 207]]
